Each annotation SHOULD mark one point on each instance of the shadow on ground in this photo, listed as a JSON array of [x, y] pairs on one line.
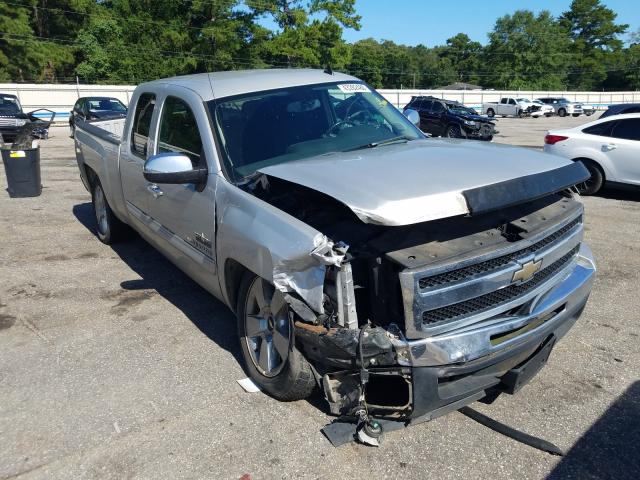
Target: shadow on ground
[[610, 449], [157, 273], [626, 192]]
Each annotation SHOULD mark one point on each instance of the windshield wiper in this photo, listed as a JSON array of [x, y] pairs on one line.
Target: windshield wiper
[[402, 138]]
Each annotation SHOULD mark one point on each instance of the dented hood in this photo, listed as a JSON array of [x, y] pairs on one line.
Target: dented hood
[[424, 180]]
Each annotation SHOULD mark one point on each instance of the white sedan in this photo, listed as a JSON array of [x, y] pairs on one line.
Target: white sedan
[[541, 108], [608, 147]]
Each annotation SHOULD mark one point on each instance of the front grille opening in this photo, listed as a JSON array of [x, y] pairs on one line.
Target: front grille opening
[[502, 337], [388, 391], [485, 302], [495, 263]]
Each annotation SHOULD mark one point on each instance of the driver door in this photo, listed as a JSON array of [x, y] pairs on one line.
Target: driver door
[[183, 215]]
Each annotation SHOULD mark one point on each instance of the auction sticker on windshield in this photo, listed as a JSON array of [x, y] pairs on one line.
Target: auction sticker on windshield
[[353, 88]]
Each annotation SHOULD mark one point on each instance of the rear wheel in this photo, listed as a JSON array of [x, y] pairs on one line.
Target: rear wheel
[[562, 112], [109, 228], [491, 113], [594, 183], [576, 114], [265, 328]]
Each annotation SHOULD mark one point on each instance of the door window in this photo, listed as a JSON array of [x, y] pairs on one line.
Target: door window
[[427, 105], [437, 107], [601, 129], [179, 131], [512, 101], [142, 124], [628, 129]]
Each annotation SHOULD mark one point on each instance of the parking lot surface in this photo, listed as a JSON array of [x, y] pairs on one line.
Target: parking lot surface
[[113, 364]]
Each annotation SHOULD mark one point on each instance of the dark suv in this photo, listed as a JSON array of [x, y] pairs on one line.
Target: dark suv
[[447, 118]]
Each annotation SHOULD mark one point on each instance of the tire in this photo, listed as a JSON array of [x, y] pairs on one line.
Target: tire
[[109, 228], [547, 115], [575, 114], [589, 114], [491, 113], [562, 112], [520, 114], [454, 131], [286, 379], [73, 130], [488, 139], [592, 185]]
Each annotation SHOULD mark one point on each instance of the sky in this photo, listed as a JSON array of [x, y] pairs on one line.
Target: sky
[[431, 22]]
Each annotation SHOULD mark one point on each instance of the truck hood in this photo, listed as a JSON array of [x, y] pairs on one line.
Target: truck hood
[[423, 180]]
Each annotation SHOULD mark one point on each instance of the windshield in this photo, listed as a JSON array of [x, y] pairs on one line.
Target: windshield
[[260, 129], [461, 110], [9, 105], [106, 105], [523, 100]]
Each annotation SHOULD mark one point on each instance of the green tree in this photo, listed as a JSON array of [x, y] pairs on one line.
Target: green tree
[[595, 38], [465, 56], [526, 51]]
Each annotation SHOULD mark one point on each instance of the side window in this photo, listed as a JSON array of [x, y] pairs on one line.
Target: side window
[[628, 129], [512, 101], [142, 124], [416, 104], [427, 105], [179, 131], [601, 129], [437, 107], [76, 107]]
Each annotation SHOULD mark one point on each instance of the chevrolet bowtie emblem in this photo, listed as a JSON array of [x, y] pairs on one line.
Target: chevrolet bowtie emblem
[[527, 271]]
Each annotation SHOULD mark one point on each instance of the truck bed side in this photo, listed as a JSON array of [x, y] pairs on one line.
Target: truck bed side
[[98, 148]]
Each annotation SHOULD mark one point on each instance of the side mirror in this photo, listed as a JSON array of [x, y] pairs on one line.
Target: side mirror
[[172, 167], [413, 116]]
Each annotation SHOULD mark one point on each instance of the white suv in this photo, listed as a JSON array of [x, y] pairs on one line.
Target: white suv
[[608, 147]]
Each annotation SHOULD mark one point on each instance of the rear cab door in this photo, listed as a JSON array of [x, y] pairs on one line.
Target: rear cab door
[[137, 145]]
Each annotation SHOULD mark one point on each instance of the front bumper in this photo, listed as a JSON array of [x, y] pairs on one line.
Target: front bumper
[[454, 369]]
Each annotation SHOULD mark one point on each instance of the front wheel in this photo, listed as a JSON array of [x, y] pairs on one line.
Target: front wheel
[[576, 114], [562, 112], [109, 228], [267, 341], [454, 131]]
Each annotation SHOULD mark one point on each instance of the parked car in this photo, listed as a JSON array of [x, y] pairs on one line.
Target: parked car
[[507, 107], [535, 108], [12, 118], [588, 109], [563, 107], [91, 108], [609, 147], [446, 118], [15, 122], [404, 276], [621, 109]]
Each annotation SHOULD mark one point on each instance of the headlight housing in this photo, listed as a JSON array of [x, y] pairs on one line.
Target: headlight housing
[[470, 123], [20, 122]]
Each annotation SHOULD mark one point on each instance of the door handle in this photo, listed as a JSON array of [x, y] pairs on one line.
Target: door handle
[[609, 147], [155, 190]]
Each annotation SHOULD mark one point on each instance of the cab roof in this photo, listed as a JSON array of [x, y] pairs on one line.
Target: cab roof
[[236, 82]]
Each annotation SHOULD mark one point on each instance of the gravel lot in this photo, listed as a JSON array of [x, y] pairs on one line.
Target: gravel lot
[[113, 364]]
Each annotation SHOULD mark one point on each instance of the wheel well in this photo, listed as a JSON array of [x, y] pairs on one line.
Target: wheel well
[[592, 162], [233, 273]]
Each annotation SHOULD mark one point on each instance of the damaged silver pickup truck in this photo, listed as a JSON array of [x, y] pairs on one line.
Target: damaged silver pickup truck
[[404, 276]]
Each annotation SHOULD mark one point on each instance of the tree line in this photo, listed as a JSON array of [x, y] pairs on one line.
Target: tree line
[[132, 41]]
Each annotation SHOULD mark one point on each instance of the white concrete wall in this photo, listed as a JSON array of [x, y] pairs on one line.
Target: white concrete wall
[[60, 98]]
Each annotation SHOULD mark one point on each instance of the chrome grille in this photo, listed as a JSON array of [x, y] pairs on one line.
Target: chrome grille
[[495, 263], [437, 300], [484, 302]]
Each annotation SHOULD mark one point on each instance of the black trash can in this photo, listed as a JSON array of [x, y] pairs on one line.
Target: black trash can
[[22, 168]]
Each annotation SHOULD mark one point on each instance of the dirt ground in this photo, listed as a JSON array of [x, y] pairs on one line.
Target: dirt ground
[[115, 365]]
